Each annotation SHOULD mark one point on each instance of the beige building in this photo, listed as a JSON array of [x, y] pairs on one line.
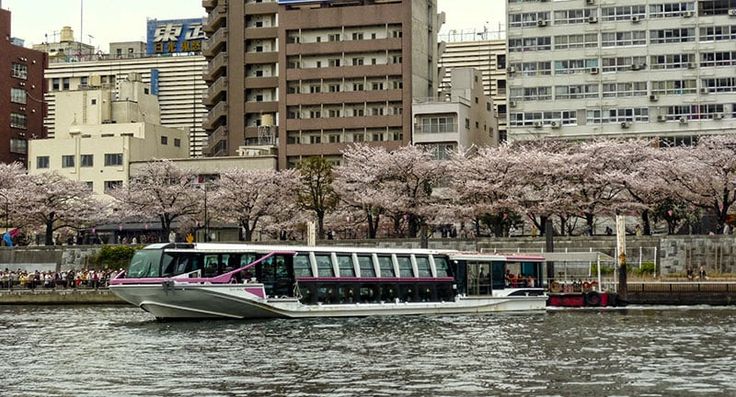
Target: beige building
[[621, 68], [464, 118], [66, 49], [330, 73], [177, 81], [103, 131], [474, 50]]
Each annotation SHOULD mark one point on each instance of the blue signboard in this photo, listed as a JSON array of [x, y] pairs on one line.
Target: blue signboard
[[173, 36], [154, 81]]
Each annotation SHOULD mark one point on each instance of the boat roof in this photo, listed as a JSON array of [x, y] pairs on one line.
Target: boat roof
[[234, 247], [485, 257]]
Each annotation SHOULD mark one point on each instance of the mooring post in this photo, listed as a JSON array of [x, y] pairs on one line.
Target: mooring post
[[550, 247]]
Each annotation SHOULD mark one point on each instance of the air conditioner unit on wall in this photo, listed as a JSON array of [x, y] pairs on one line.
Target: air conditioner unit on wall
[[590, 2], [661, 117], [555, 124], [732, 12], [541, 23], [594, 70], [636, 19], [683, 120], [538, 124], [625, 124], [653, 97]]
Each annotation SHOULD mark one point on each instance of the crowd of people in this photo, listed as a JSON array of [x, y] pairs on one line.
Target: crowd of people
[[88, 278]]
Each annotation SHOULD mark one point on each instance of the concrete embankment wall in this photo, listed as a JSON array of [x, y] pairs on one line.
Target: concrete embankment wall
[[670, 253], [58, 297]]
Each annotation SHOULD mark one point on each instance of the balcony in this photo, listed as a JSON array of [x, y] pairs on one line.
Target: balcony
[[216, 66], [261, 8], [270, 32], [261, 57], [214, 116], [262, 107], [214, 43], [344, 122], [216, 17], [215, 89], [219, 134], [262, 82], [345, 71], [346, 46], [344, 97], [209, 4]]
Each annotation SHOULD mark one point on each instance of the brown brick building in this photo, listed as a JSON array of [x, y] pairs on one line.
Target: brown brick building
[[22, 87], [328, 73]]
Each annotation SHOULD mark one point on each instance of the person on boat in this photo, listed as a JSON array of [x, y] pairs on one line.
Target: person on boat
[[509, 277]]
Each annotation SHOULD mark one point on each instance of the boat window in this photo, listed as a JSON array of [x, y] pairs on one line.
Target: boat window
[[168, 264], [211, 263], [366, 266], [442, 266], [425, 270], [405, 269], [387, 267], [248, 258], [145, 263], [324, 265], [345, 263], [301, 266]]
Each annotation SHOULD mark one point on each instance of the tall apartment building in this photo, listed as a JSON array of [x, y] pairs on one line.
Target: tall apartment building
[[176, 80], [329, 73], [643, 68], [21, 103], [487, 56]]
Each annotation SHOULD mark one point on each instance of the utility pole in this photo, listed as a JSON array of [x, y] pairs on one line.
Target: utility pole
[[623, 289]]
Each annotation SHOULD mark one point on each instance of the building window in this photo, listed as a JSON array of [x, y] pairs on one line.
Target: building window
[[87, 160], [164, 140], [42, 162], [177, 142], [18, 95], [67, 161], [90, 185], [20, 71], [357, 36], [113, 159], [467, 124], [501, 61], [18, 120], [18, 146], [65, 83], [55, 84], [110, 185]]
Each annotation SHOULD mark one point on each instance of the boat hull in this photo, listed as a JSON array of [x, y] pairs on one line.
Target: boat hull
[[238, 301]]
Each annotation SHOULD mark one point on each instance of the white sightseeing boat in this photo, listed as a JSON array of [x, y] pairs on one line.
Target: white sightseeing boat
[[260, 281]]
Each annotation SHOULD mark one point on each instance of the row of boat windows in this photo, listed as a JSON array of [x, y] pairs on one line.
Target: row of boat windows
[[305, 264], [326, 293], [370, 265]]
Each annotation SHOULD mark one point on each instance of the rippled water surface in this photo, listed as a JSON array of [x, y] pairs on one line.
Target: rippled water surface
[[119, 350]]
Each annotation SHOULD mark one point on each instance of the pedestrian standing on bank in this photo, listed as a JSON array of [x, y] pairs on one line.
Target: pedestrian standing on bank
[[701, 273]]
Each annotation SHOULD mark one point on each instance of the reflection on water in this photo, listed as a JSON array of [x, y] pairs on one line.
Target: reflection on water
[[102, 350]]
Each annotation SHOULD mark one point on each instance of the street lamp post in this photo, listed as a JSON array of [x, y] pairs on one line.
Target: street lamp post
[[206, 219]]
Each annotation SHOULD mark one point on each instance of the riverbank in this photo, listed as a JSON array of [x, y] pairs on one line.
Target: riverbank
[[59, 297]]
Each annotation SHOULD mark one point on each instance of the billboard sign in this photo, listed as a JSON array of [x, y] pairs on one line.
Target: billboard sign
[[173, 36]]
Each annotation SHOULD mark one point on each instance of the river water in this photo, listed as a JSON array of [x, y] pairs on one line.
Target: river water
[[122, 351]]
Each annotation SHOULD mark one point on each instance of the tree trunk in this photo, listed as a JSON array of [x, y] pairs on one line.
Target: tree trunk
[[414, 225], [646, 222], [372, 224], [248, 235], [563, 225], [166, 228], [589, 219], [50, 231], [320, 224], [542, 225]]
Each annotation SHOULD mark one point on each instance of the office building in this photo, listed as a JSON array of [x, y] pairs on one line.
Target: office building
[[471, 49], [67, 49], [327, 73], [463, 119], [21, 104], [100, 130], [621, 68]]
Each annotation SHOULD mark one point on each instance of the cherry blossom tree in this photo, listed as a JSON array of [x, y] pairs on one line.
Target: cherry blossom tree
[[316, 193], [161, 190], [11, 184], [357, 182], [51, 201], [703, 175], [248, 197]]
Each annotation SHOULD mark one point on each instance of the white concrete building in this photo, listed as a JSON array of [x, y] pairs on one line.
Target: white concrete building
[[177, 80], [621, 68], [462, 119], [103, 130], [474, 50]]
